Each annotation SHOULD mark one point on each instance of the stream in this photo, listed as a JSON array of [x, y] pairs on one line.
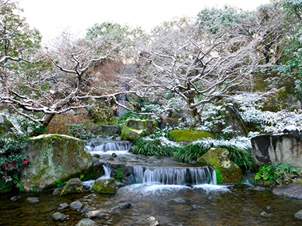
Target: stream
[[173, 193]]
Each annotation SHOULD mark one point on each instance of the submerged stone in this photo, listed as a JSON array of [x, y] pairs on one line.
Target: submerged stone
[[226, 170], [74, 185], [76, 205], [57, 216], [134, 129], [53, 157], [86, 222], [63, 206], [33, 199], [105, 186], [293, 191]]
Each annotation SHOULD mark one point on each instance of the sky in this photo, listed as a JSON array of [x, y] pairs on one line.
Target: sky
[[52, 17]]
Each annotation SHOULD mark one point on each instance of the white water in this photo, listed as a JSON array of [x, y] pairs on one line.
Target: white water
[[103, 146], [107, 173]]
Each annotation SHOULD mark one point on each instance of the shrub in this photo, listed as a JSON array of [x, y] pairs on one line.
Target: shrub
[[191, 152], [280, 174], [79, 131], [152, 147]]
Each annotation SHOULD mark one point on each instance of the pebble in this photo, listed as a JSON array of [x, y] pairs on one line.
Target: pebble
[[32, 199], [57, 216]]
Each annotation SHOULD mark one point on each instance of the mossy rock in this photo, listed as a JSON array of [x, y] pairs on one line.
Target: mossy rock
[[54, 157], [190, 135], [134, 129], [5, 125], [73, 186], [105, 186], [226, 170]]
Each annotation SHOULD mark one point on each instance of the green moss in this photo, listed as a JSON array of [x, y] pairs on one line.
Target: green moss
[[134, 129], [39, 176], [219, 176], [106, 186], [218, 158], [119, 174], [190, 135]]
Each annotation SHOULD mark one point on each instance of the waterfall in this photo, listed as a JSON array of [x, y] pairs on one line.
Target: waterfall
[[174, 176], [107, 173], [108, 146]]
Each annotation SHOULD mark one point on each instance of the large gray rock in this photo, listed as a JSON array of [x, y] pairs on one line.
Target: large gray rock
[[277, 148], [233, 118], [53, 157]]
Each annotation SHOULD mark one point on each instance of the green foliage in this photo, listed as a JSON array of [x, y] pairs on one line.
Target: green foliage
[[31, 128], [60, 183], [79, 131], [280, 174], [130, 115], [152, 147], [162, 133], [119, 174], [219, 176], [191, 152], [241, 157]]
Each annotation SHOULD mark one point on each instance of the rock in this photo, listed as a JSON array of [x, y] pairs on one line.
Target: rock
[[226, 170], [63, 206], [190, 135], [277, 148], [74, 185], [56, 192], [33, 199], [94, 214], [124, 206], [298, 215], [258, 188], [5, 125], [114, 155], [53, 157], [77, 205], [106, 130], [105, 186], [15, 198], [233, 119], [153, 221], [86, 222], [134, 129], [293, 191], [57, 216]]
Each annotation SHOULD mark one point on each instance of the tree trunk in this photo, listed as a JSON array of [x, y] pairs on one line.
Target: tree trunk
[[46, 120], [194, 111]]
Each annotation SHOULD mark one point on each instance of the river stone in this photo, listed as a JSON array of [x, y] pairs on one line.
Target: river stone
[[134, 129], [293, 191], [33, 199], [226, 170], [153, 221], [105, 186], [63, 206], [15, 198], [94, 214], [76, 205], [53, 157], [298, 215], [74, 185], [278, 148], [86, 222], [57, 216]]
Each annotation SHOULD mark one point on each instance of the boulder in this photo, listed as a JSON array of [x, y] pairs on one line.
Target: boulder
[[105, 186], [190, 135], [226, 170], [293, 191], [277, 148], [233, 119], [134, 129], [106, 130], [53, 157], [74, 185], [5, 125]]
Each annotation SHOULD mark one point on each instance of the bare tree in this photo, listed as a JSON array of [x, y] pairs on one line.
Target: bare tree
[[181, 60]]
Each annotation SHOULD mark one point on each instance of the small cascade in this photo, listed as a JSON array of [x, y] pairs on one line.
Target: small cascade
[[107, 146], [175, 176], [107, 173]]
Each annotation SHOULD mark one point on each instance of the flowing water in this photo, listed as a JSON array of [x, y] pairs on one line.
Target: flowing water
[[174, 194]]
